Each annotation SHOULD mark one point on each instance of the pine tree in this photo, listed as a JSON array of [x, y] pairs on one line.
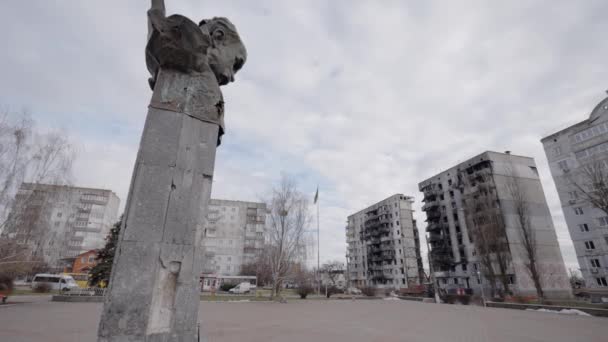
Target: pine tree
[[100, 274]]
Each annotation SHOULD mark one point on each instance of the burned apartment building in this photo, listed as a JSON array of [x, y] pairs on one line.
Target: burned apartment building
[[384, 246], [475, 211]]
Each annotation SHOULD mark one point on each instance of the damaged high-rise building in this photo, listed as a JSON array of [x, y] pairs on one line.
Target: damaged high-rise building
[[484, 218], [383, 245]]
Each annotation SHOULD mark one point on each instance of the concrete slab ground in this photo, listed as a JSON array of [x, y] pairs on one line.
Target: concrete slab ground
[[303, 321]]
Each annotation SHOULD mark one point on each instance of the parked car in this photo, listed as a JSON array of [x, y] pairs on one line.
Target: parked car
[[244, 287], [353, 290], [59, 282]]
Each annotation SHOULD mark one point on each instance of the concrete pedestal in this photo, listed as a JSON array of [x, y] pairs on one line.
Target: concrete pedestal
[[154, 288]]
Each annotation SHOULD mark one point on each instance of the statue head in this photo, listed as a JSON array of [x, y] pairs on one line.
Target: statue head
[[227, 54]]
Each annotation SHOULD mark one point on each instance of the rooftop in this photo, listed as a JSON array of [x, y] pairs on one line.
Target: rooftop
[[55, 186], [487, 155], [599, 110], [407, 198]]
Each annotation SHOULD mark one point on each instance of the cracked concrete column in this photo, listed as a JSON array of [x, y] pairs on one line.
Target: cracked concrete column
[[154, 287], [154, 290]]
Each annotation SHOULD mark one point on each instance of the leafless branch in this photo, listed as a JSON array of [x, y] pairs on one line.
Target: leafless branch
[[591, 180], [332, 270], [289, 217], [527, 233], [486, 226], [28, 159]]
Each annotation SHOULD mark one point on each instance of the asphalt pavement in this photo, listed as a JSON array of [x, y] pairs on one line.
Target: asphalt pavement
[[36, 318]]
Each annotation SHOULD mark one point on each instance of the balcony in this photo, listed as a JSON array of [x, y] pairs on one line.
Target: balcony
[[435, 238], [442, 255], [87, 229], [254, 219], [250, 250], [430, 204], [441, 274], [213, 219], [388, 255], [375, 258], [375, 231], [381, 278], [433, 215], [371, 214], [430, 190], [84, 208], [476, 178], [433, 227], [390, 248], [377, 222], [94, 199], [373, 249]]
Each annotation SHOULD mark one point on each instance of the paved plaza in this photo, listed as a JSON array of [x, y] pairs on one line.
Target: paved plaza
[[36, 319]]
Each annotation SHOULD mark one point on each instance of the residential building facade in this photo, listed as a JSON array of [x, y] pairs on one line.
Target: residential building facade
[[569, 152], [84, 262], [57, 222], [234, 235], [474, 210], [384, 246]]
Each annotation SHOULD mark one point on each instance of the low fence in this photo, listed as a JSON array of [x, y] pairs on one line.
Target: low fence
[[91, 294], [89, 291], [592, 311], [415, 299]]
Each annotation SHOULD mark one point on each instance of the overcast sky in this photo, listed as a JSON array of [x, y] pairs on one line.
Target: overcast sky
[[365, 98]]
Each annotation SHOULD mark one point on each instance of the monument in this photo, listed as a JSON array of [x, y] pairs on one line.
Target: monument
[[153, 293]]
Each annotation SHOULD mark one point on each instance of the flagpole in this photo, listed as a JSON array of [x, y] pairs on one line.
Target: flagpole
[[318, 248]]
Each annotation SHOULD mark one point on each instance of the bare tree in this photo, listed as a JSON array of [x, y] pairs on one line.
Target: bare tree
[[526, 232], [304, 280], [482, 240], [576, 280], [487, 230], [35, 158], [289, 216], [13, 160], [260, 268], [14, 260], [332, 270], [592, 182]]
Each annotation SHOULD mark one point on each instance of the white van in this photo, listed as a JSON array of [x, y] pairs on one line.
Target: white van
[[244, 287], [60, 282]]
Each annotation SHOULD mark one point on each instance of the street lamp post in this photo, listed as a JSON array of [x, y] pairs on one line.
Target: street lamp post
[[282, 213]]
